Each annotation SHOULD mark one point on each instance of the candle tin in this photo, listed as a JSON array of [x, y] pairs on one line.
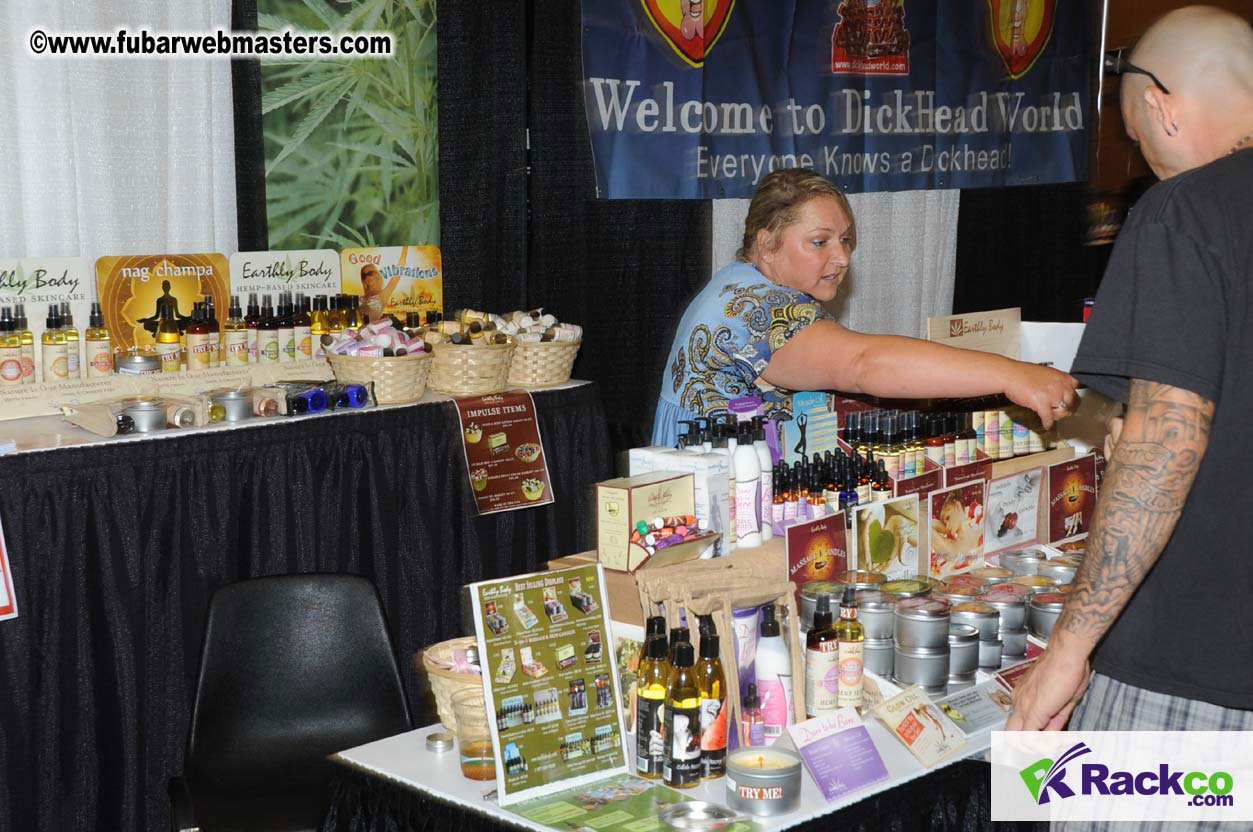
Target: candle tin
[[1035, 583], [875, 612], [236, 404], [1043, 611], [992, 575], [147, 414], [1060, 572], [966, 579], [137, 364], [1022, 562], [878, 656], [1013, 641], [926, 666], [697, 815], [809, 600], [861, 579], [922, 622], [764, 791], [984, 617], [439, 741], [905, 588], [933, 583], [962, 682], [990, 652], [1023, 592], [1012, 608], [963, 649], [1069, 560]]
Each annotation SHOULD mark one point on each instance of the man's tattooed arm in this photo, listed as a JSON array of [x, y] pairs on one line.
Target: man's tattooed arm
[[1164, 437]]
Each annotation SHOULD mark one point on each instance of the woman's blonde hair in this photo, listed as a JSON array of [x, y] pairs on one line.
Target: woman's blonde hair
[[779, 199]]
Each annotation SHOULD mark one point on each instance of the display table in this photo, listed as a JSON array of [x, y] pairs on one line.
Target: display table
[[399, 785], [116, 546]]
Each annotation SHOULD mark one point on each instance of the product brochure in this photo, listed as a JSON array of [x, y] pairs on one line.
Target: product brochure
[[1010, 676], [839, 753], [619, 804], [8, 601], [955, 529], [984, 707], [1014, 510], [886, 537], [1072, 498], [504, 455], [555, 724], [921, 725], [817, 550]]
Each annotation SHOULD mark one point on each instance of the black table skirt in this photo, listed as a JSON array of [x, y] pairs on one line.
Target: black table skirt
[[115, 550], [951, 799]]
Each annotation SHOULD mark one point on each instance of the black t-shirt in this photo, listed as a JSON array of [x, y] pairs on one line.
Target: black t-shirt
[[1175, 307]]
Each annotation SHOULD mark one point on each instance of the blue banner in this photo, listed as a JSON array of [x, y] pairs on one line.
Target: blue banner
[[696, 100]]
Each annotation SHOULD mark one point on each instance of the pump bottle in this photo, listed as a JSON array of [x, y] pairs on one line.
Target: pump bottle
[[767, 477], [773, 669], [747, 489]]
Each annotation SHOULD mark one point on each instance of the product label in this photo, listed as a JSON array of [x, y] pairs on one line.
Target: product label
[[252, 345], [822, 678], [935, 453], [11, 366], [767, 495], [991, 433], [863, 494], [71, 359], [54, 363], [287, 344], [100, 359], [237, 347], [950, 454], [169, 355], [304, 342], [789, 511], [961, 452], [777, 514], [28, 364], [199, 351], [650, 748], [733, 498], [713, 737], [776, 705], [682, 739], [747, 505], [852, 664], [267, 347]]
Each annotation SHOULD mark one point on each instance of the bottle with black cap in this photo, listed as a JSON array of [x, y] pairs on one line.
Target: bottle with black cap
[[650, 703], [682, 766], [712, 683], [754, 729], [852, 646], [822, 662]]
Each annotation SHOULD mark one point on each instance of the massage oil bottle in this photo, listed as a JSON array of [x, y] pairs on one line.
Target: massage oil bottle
[[682, 765], [712, 683], [650, 701]]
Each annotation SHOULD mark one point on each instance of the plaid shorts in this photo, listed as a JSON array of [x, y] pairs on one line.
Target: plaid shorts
[[1110, 705]]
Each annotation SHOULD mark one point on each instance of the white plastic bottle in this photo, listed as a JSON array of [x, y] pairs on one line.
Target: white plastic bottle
[[747, 489], [720, 447], [767, 478], [773, 669]]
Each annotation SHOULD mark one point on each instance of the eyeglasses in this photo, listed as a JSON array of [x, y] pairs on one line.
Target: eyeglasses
[[1116, 65]]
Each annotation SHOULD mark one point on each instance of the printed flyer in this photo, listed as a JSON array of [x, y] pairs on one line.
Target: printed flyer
[[1072, 498], [134, 290], [311, 271], [8, 599], [817, 550], [984, 707], [839, 753], [887, 537], [1014, 510], [618, 804], [504, 456], [956, 528], [394, 280], [921, 725], [550, 680]]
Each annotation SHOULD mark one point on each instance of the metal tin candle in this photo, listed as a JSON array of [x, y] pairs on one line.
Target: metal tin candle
[[1012, 608], [926, 666], [905, 588], [922, 622], [1043, 610], [963, 649], [985, 617], [861, 579], [764, 781], [875, 612]]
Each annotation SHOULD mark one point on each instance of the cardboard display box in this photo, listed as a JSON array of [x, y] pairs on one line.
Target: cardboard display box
[[623, 502]]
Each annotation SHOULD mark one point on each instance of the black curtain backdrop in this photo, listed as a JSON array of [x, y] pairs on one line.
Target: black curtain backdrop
[[116, 549]]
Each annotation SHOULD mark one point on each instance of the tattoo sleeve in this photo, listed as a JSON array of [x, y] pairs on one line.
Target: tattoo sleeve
[[1165, 434]]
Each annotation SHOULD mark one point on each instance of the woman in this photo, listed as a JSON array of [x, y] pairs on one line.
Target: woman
[[757, 328], [375, 296]]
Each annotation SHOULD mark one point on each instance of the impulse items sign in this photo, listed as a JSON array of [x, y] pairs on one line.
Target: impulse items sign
[[504, 456], [878, 96], [8, 600], [550, 681]]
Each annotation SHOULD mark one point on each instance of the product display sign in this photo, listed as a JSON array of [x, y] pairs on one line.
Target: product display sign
[[812, 429], [1072, 498], [958, 474], [311, 271], [618, 804], [1014, 511], [839, 753], [394, 280], [955, 528], [8, 598], [134, 290], [998, 331], [887, 538], [504, 456], [550, 680], [701, 100], [984, 707], [40, 283], [817, 550], [922, 484], [920, 724]]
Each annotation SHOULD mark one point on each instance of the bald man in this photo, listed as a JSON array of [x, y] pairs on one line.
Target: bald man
[[1162, 604]]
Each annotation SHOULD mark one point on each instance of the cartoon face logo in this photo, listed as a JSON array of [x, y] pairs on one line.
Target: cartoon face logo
[[1020, 30], [690, 27]]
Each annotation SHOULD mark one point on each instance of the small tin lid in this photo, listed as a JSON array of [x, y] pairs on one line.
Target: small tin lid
[[697, 815], [1048, 601], [922, 652], [861, 579], [878, 643], [1000, 599], [962, 634], [987, 572], [137, 361], [968, 579], [229, 395], [1061, 571], [925, 608], [815, 588], [904, 588], [874, 601], [144, 404], [1013, 589], [1034, 581], [1064, 588], [934, 583], [439, 741], [962, 589], [976, 608]]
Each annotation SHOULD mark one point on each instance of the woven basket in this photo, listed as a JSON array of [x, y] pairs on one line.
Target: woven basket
[[543, 364], [444, 683], [398, 380], [469, 369]]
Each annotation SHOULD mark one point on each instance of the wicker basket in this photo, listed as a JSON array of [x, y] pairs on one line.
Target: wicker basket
[[398, 380], [469, 369], [543, 364], [444, 683]]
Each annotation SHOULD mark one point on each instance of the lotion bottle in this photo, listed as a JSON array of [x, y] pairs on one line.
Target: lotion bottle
[[822, 658], [73, 366], [27, 341], [773, 670], [53, 353], [99, 347], [720, 447], [747, 489], [767, 478]]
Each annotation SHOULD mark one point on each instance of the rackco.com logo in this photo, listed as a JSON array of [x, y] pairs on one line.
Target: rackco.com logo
[[1046, 779]]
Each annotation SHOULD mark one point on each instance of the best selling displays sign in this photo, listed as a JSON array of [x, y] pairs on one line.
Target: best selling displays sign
[[693, 99]]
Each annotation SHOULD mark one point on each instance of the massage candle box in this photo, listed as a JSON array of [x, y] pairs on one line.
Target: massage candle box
[[623, 503]]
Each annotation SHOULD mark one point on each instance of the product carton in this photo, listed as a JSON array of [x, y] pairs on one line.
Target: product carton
[[711, 486], [622, 503], [624, 598]]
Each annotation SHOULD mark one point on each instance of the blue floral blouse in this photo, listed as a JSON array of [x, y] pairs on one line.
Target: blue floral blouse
[[724, 342]]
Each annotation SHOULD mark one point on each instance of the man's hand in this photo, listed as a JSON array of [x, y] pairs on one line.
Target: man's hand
[[1044, 698]]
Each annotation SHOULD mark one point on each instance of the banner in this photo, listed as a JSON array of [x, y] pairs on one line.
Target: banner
[[691, 99]]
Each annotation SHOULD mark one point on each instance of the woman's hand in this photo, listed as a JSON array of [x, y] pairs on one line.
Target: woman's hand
[[1050, 393]]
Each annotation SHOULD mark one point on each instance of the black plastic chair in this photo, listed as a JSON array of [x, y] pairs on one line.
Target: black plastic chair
[[293, 668]]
